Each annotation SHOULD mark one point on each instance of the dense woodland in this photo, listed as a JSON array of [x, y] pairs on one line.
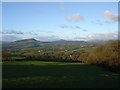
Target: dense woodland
[[106, 55]]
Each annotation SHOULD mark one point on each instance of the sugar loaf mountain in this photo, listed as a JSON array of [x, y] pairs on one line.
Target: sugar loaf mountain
[[30, 43]]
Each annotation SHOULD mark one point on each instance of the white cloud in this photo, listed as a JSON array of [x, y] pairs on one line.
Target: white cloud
[[110, 16], [100, 36], [104, 36], [14, 32], [10, 38], [74, 17], [47, 38]]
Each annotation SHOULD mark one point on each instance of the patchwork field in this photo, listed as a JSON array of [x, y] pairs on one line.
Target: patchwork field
[[39, 74]]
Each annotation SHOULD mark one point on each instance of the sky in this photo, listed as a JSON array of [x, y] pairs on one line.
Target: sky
[[50, 21]]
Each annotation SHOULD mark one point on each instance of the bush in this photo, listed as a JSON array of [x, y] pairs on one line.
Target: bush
[[106, 55]]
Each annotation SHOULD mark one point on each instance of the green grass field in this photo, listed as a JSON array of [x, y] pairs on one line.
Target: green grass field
[[39, 74]]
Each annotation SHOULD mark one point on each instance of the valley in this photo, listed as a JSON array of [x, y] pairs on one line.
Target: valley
[[34, 64]]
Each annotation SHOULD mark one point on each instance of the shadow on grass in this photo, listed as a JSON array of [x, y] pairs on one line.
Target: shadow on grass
[[58, 76]]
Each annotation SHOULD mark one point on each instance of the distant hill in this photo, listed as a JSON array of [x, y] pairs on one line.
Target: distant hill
[[26, 43], [69, 42], [4, 42], [31, 43], [26, 40]]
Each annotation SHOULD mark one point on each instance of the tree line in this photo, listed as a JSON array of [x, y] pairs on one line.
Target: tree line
[[106, 55]]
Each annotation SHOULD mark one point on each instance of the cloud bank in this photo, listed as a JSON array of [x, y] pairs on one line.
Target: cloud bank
[[100, 36], [17, 32], [10, 38], [47, 38]]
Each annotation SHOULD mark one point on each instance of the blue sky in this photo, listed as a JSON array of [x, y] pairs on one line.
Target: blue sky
[[48, 21]]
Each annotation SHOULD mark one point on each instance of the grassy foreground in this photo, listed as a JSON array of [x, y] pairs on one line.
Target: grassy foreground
[[39, 74]]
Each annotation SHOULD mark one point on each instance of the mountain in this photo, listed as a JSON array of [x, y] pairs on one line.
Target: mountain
[[31, 43], [26, 43], [26, 40], [69, 42]]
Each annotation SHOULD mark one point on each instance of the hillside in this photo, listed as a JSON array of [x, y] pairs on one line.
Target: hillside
[[31, 43], [33, 49], [27, 43]]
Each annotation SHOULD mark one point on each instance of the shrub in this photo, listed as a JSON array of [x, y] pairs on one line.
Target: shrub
[[106, 55]]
